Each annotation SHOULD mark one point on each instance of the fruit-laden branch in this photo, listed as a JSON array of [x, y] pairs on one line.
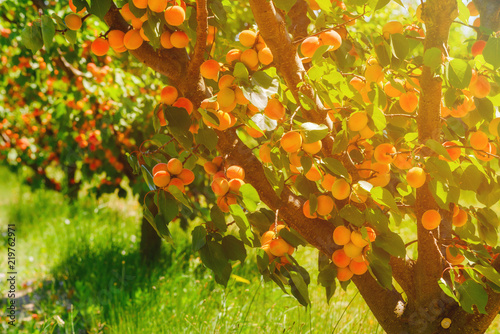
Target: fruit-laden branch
[[438, 16], [489, 11]]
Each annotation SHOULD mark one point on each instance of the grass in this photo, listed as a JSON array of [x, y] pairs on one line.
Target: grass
[[79, 271]]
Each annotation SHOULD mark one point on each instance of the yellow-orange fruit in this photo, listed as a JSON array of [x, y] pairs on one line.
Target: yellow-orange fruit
[[371, 234], [279, 247], [185, 103], [384, 153], [265, 153], [391, 91], [431, 219], [235, 172], [454, 260], [99, 46], [179, 39], [332, 38], [366, 132], [266, 237], [161, 178], [73, 8], [291, 141], [240, 97], [210, 168], [487, 154], [344, 274], [477, 48], [169, 95], [340, 259], [392, 27], [250, 58], [328, 181], [408, 102], [136, 23], [265, 56], [174, 166], [314, 174], [161, 117], [233, 55], [235, 185], [325, 205], [454, 152], [158, 167], [373, 72], [472, 9], [460, 219], [341, 189], [210, 69], [186, 176], [226, 97], [226, 81], [358, 268], [309, 46], [247, 38], [352, 250], [165, 40], [478, 140], [274, 109], [157, 6], [140, 3], [265, 248], [357, 239], [115, 39], [175, 15], [341, 235], [357, 83], [479, 86], [73, 21], [312, 148], [357, 121], [416, 177], [132, 39], [175, 182], [306, 209], [220, 186]]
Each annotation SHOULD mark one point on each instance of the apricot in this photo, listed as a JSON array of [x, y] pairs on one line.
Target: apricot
[[158, 167], [416, 177], [169, 95], [240, 97], [357, 83], [381, 177], [267, 237], [226, 97], [275, 109], [392, 27], [73, 8], [99, 46], [340, 259], [235, 172], [357, 121], [312, 148], [179, 39], [165, 40], [210, 168], [478, 47], [341, 189], [185, 103], [374, 72], [161, 117], [186, 176], [332, 38], [408, 102], [115, 39], [279, 247], [392, 91], [454, 152], [325, 205], [220, 186], [358, 240], [266, 248], [477, 22], [140, 3], [291, 141], [384, 153], [73, 21], [235, 185], [480, 87], [328, 181], [265, 56], [314, 174], [226, 81], [175, 15], [454, 260], [210, 69], [174, 166], [132, 39], [344, 274], [431, 219], [460, 219], [472, 9], [265, 153], [157, 6], [352, 250], [161, 178], [309, 46], [478, 140], [358, 268], [247, 38], [366, 132], [341, 235], [487, 154], [175, 182], [306, 209], [233, 55], [371, 234], [250, 58]]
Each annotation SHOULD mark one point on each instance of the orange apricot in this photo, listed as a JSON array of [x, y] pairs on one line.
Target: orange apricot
[[210, 168], [392, 27], [185, 103], [73, 21], [309, 46], [275, 109], [99, 46], [186, 176], [179, 39], [358, 240], [158, 167], [240, 97], [73, 8], [352, 250], [416, 177], [480, 87], [460, 219], [132, 39], [357, 83], [161, 178], [431, 219], [247, 38], [279, 247], [115, 39], [357, 121], [267, 237], [266, 248], [220, 186], [312, 148], [454, 152], [210, 69], [314, 174], [328, 181], [169, 95], [341, 235], [140, 3], [344, 274], [174, 166], [392, 91], [165, 40], [454, 260], [291, 141], [384, 153], [478, 140], [235, 172], [358, 194], [341, 189], [306, 209], [332, 38], [265, 153], [358, 268], [226, 81], [325, 205], [472, 9], [340, 259], [157, 6], [226, 97], [250, 58], [235, 185], [233, 55], [478, 47], [408, 102], [486, 153], [372, 235], [175, 15], [374, 72], [265, 56]]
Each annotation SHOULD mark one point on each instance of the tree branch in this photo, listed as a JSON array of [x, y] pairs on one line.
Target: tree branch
[[489, 11], [201, 40]]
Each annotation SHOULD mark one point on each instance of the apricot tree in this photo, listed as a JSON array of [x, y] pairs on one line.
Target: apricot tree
[[319, 127]]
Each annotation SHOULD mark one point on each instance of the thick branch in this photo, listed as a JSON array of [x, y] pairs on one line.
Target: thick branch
[[201, 42], [489, 11]]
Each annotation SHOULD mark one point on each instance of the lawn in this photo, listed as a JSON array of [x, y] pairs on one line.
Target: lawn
[[79, 270]]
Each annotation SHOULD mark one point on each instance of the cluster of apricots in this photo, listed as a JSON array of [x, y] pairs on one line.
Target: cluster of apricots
[[225, 184], [172, 173], [351, 258], [275, 246], [312, 43], [170, 96]]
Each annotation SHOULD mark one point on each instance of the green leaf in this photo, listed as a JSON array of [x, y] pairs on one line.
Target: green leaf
[[336, 167], [239, 216], [199, 236], [292, 237], [178, 125], [218, 218], [471, 178], [432, 58], [438, 148], [379, 266], [213, 257], [48, 31], [240, 71], [167, 205], [99, 8], [299, 288], [447, 289], [384, 196], [218, 10], [162, 227], [152, 30], [234, 248], [208, 138], [352, 214], [148, 177], [313, 132], [392, 243], [268, 84], [488, 217], [250, 197], [491, 52], [399, 46], [472, 293], [285, 5], [488, 194], [326, 278], [31, 37], [459, 73], [489, 272]]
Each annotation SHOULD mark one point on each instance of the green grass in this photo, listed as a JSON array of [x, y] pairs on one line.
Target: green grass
[[81, 262]]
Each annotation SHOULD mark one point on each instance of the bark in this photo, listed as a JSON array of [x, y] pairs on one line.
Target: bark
[[489, 11]]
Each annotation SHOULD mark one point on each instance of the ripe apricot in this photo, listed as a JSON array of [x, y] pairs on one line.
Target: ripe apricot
[[392, 91], [358, 240], [480, 87], [179, 39], [341, 235], [472, 9], [309, 46], [73, 21], [478, 47], [157, 6], [384, 153], [266, 237], [381, 176], [486, 153], [291, 141], [161, 178], [100, 46], [210, 168], [392, 27], [158, 167], [265, 56], [373, 72], [240, 97], [265, 153], [352, 250], [115, 39], [332, 38], [358, 268], [325, 205], [344, 274], [73, 8], [372, 235], [220, 186], [431, 219], [328, 181], [460, 219], [233, 55], [340, 259], [312, 148], [175, 15], [306, 209], [250, 58], [454, 152], [169, 95], [314, 174], [161, 117], [132, 39], [186, 176], [140, 3], [165, 40], [408, 102], [275, 109], [226, 81], [266, 248], [478, 140], [247, 38], [454, 260], [174, 166], [185, 103], [416, 177], [235, 185], [341, 189], [235, 172], [279, 247], [210, 69], [226, 97], [357, 121], [357, 83], [175, 182]]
